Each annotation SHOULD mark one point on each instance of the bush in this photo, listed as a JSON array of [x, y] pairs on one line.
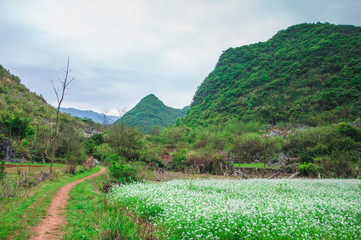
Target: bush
[[2, 170], [303, 140], [125, 141], [205, 161], [16, 124], [151, 155], [349, 130], [179, 159], [125, 172], [252, 146], [92, 142], [103, 152], [310, 169]]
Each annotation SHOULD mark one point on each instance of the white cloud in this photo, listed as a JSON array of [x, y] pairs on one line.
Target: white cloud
[[122, 50]]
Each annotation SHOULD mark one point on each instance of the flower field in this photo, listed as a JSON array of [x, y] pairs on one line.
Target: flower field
[[251, 209]]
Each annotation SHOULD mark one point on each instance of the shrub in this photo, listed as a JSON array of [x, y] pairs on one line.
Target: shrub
[[299, 143], [16, 124], [349, 130], [2, 170], [252, 146], [126, 172], [205, 161], [151, 155], [125, 141], [103, 152], [179, 159], [310, 169]]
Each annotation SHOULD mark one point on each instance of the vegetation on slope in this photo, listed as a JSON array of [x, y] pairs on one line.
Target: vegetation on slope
[[150, 113], [308, 73], [27, 120]]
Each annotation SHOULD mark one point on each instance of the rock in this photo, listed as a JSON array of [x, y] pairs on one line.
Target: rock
[[271, 162], [283, 160], [237, 172], [256, 161], [7, 151], [230, 160]]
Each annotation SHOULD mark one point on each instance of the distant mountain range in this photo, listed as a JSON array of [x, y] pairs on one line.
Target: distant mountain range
[[151, 112], [96, 117]]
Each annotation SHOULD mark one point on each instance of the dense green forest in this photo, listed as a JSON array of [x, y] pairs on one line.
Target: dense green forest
[[308, 73], [151, 113]]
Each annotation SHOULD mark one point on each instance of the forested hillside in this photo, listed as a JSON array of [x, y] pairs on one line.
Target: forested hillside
[[151, 112], [308, 73], [28, 121]]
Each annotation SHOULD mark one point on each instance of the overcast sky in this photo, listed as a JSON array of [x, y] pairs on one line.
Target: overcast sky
[[123, 50]]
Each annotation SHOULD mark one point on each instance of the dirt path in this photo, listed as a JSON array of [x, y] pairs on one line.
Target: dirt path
[[49, 227]]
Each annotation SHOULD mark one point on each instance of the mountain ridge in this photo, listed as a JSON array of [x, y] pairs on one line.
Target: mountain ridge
[[96, 117], [307, 73], [151, 112]]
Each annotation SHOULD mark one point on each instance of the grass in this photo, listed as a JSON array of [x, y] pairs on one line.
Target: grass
[[29, 205], [248, 209], [253, 165], [90, 215]]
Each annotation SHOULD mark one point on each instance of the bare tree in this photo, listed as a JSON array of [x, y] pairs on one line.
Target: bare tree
[[122, 111], [64, 85], [104, 118]]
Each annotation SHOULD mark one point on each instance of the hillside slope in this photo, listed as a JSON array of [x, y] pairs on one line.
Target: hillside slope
[[151, 112], [308, 73], [27, 119]]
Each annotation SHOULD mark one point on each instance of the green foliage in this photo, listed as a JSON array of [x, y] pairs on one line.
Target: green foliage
[[27, 120], [310, 169], [125, 141], [92, 142], [2, 169], [349, 130], [125, 172], [331, 147], [308, 73], [92, 215], [19, 210], [179, 159], [16, 124], [151, 113], [252, 146], [103, 153]]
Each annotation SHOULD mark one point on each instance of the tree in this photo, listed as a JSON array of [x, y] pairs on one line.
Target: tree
[[104, 118], [64, 84]]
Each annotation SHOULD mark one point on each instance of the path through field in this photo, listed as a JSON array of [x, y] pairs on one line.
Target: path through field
[[50, 226]]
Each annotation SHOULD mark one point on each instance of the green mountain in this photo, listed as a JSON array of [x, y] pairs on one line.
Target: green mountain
[[151, 112], [308, 73]]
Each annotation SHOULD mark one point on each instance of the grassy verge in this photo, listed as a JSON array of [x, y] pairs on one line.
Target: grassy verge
[[253, 165], [27, 209], [90, 215]]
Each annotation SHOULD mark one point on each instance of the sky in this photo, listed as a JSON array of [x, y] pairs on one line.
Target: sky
[[122, 50]]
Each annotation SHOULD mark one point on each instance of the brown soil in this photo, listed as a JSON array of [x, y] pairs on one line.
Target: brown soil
[[50, 226]]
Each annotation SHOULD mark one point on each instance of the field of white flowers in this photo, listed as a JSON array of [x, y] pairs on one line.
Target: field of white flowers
[[251, 209]]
